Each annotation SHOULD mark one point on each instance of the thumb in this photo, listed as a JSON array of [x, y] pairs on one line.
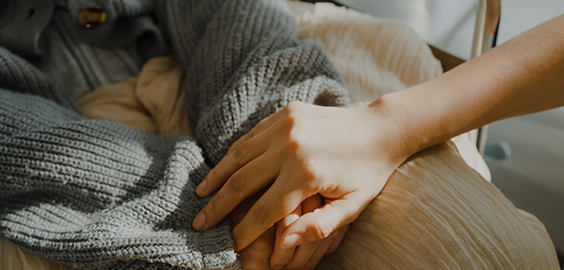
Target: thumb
[[320, 223]]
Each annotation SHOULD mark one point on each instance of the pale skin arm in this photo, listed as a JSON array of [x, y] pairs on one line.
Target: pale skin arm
[[347, 155], [523, 76]]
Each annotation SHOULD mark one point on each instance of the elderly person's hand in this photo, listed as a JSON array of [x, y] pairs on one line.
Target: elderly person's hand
[[296, 153]]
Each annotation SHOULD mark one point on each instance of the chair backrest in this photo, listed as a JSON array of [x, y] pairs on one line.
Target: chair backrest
[[485, 37]]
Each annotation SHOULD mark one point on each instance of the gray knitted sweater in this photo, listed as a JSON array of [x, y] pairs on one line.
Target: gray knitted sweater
[[101, 195]]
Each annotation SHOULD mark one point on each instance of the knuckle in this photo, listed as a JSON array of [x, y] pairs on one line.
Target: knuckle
[[238, 155], [261, 214], [322, 229], [237, 183]]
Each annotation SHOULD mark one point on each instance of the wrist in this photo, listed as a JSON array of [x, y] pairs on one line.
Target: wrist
[[417, 119], [391, 132]]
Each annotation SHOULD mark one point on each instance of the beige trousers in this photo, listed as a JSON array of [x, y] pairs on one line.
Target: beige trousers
[[434, 213], [437, 213]]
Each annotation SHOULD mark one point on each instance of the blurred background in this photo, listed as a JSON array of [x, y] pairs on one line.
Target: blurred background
[[533, 176]]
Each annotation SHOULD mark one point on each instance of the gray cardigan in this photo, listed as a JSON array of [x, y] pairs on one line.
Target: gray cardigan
[[101, 195]]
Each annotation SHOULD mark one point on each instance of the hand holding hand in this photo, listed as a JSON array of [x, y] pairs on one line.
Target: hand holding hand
[[265, 252], [345, 155], [308, 255]]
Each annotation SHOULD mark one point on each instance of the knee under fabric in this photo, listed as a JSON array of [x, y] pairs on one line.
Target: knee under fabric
[[437, 213], [434, 213]]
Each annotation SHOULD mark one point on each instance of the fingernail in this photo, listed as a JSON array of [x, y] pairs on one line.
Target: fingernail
[[201, 188], [292, 241], [199, 221]]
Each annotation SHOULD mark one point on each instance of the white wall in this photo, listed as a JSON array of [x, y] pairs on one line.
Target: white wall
[[412, 12], [449, 24]]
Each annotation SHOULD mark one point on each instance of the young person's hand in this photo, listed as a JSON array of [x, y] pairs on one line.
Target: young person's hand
[[344, 155], [347, 155]]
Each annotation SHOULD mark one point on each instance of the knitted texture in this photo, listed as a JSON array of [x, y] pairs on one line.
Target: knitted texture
[[245, 56], [17, 74], [101, 195]]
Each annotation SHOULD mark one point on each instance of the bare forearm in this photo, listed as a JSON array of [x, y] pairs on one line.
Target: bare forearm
[[522, 76]]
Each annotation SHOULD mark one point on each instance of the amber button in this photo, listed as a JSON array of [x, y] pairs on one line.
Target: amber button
[[91, 17]]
